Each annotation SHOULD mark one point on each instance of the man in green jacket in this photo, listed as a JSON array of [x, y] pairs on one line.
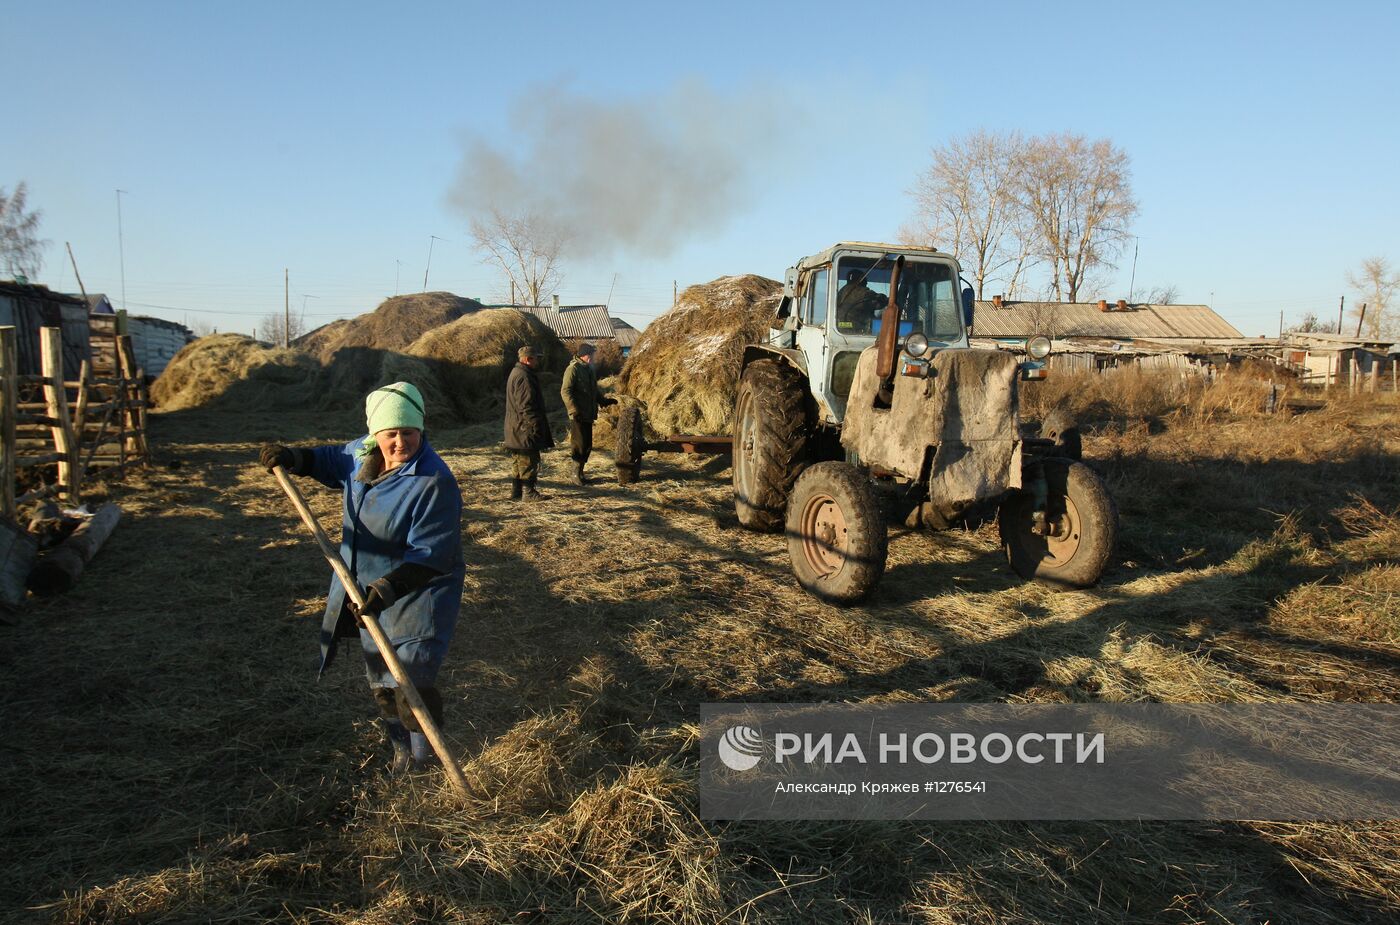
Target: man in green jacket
[[582, 399]]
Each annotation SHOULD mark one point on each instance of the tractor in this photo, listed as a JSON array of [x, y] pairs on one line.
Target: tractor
[[867, 403]]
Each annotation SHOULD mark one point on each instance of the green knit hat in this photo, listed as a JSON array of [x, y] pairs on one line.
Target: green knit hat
[[398, 404]]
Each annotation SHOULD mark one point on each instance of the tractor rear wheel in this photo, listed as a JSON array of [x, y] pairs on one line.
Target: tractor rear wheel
[[772, 430], [629, 444], [836, 533], [1081, 527]]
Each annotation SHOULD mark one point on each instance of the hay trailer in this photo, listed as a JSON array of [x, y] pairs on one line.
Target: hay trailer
[[867, 403]]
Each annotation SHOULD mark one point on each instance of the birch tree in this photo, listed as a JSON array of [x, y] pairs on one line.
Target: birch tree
[[526, 247], [1078, 196], [1376, 283], [21, 251]]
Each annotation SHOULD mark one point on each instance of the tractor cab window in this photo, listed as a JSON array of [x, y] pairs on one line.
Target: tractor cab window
[[815, 302], [928, 298]]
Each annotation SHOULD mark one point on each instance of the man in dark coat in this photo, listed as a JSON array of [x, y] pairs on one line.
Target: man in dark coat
[[527, 428], [582, 399]]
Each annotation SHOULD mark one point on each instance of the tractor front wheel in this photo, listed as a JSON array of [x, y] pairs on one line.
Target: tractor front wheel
[[1069, 546], [836, 533], [772, 432]]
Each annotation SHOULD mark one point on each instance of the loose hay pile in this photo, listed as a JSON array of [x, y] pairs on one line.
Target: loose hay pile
[[460, 367], [230, 371], [395, 324], [686, 364]]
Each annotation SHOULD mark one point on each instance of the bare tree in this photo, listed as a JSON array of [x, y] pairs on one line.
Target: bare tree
[[1376, 283], [965, 203], [526, 247], [1078, 195], [276, 331], [21, 251], [1163, 295], [1311, 325]]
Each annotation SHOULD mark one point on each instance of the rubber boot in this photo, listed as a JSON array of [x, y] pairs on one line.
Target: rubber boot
[[532, 493], [515, 487], [401, 740], [578, 474], [422, 750]]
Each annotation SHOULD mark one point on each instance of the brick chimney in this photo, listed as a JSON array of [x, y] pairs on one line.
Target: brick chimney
[[996, 301], [1103, 305], [1122, 305]]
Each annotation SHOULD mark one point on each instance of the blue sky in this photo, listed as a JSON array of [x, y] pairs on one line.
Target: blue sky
[[324, 138]]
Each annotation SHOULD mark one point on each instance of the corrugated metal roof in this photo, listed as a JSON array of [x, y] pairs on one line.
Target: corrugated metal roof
[[627, 336], [585, 322], [1083, 319]]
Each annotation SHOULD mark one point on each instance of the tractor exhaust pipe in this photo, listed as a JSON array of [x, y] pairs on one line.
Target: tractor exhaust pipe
[[886, 345]]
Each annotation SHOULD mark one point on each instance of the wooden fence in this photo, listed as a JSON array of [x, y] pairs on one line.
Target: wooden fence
[[87, 428]]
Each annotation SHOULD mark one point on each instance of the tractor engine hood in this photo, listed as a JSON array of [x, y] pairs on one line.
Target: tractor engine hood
[[957, 428]]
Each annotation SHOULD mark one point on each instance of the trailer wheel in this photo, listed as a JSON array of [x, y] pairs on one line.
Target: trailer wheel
[[629, 444], [1081, 527], [836, 533], [772, 429]]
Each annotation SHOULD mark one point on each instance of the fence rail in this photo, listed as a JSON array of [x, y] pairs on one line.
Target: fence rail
[[49, 421]]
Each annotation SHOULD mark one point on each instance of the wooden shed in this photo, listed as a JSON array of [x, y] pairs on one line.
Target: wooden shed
[[28, 307]]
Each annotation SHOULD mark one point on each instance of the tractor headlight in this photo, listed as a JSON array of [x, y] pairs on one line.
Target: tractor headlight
[[916, 344], [1038, 347]]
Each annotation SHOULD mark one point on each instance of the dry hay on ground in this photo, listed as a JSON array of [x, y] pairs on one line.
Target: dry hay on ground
[[395, 324], [685, 367], [179, 762], [474, 354], [237, 373]]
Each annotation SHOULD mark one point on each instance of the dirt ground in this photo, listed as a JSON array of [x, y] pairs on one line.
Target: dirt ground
[[170, 755]]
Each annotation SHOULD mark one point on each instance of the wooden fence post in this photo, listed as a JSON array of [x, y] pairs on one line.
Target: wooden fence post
[[9, 395], [130, 389], [70, 469]]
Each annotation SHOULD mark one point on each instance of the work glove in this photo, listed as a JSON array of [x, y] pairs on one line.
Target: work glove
[[297, 462], [402, 581], [274, 454], [379, 596]]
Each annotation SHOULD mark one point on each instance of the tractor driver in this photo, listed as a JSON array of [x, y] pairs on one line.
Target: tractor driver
[[856, 305]]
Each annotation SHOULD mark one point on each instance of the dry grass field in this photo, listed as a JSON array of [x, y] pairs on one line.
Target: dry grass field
[[170, 756]]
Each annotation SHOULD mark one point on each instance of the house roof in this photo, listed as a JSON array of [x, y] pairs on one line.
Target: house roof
[[1083, 319], [585, 322], [627, 335]]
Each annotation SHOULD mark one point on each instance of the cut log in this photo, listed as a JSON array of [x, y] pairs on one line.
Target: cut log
[[58, 570], [17, 551]]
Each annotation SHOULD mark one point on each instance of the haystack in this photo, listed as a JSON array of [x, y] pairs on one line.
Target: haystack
[[395, 324], [234, 372], [686, 364], [354, 372], [473, 355]]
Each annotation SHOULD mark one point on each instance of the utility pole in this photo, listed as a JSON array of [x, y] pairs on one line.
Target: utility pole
[[1280, 324], [398, 265], [512, 292], [431, 239], [675, 297], [1132, 280], [121, 248], [286, 308], [1360, 319], [610, 289], [1340, 305], [75, 271]]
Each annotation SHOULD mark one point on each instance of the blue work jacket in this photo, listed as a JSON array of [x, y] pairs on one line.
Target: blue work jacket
[[412, 515]]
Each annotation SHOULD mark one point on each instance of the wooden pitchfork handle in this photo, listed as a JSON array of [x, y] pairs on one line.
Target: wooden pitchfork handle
[[376, 632]]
